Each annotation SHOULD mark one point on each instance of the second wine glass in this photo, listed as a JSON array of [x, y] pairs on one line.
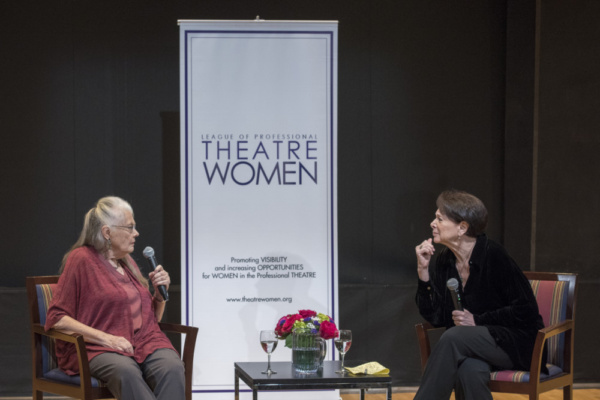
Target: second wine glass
[[268, 341], [343, 341]]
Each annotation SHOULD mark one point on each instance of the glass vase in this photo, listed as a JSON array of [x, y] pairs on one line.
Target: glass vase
[[307, 348]]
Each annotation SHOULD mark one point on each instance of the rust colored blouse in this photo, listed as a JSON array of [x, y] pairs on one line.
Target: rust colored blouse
[[91, 291]]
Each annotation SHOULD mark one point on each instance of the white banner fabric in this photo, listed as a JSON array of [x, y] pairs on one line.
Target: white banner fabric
[[258, 181]]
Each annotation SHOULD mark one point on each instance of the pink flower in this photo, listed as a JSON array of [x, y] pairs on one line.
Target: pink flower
[[307, 313], [285, 324], [328, 330]]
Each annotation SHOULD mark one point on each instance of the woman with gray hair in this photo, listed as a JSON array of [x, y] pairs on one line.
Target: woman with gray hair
[[102, 295], [499, 322]]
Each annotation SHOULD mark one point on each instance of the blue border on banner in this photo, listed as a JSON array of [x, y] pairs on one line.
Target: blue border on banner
[[332, 160]]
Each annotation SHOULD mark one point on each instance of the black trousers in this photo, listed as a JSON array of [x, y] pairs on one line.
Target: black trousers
[[462, 361], [161, 376]]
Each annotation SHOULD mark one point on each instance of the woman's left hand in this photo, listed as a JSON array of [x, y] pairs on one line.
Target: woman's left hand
[[463, 318], [159, 277]]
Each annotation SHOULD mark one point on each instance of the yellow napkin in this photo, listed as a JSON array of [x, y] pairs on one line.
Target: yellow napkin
[[370, 368]]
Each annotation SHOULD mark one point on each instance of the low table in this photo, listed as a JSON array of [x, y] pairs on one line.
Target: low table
[[287, 379]]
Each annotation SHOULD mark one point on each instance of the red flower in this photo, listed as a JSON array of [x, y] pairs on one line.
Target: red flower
[[328, 330], [285, 324], [307, 313]]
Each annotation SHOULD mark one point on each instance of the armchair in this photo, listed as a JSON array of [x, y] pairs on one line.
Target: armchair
[[556, 295], [47, 377]]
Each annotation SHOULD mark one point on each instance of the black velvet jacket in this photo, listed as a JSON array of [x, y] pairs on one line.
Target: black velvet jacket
[[497, 294]]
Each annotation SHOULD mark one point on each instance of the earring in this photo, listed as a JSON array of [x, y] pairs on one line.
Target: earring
[[108, 244]]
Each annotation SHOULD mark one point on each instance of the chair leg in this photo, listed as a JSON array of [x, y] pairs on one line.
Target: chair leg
[[534, 394], [38, 395], [568, 392]]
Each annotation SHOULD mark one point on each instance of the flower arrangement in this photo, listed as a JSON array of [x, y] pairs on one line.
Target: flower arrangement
[[305, 319]]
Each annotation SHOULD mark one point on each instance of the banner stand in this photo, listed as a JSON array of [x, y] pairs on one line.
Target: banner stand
[[258, 187]]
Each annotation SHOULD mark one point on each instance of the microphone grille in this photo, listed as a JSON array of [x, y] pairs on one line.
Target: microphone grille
[[452, 283], [149, 252]]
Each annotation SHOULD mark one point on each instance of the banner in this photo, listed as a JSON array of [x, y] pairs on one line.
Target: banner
[[258, 185]]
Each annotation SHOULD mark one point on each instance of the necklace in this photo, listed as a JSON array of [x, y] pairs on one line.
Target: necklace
[[117, 266], [119, 269]]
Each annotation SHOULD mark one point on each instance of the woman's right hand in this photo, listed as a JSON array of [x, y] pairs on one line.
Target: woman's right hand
[[424, 251], [118, 343]]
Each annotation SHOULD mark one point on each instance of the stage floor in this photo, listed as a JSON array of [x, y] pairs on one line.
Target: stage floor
[[578, 394], [408, 394]]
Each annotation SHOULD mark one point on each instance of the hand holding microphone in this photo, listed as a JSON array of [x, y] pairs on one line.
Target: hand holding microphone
[[460, 316], [452, 285], [149, 254]]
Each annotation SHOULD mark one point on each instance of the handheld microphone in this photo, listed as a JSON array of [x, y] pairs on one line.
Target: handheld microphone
[[149, 254], [452, 285]]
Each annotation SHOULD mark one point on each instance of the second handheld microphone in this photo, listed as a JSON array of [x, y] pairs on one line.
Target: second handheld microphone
[[452, 285]]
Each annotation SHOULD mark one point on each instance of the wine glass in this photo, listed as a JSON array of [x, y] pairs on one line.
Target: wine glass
[[268, 341], [343, 341]]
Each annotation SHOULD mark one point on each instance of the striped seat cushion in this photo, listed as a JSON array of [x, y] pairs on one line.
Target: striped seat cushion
[[50, 368], [523, 376], [551, 297]]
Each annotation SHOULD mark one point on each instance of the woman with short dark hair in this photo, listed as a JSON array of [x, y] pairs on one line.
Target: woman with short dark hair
[[500, 320]]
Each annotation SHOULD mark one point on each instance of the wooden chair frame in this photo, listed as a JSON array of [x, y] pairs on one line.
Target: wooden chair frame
[[536, 384], [85, 390]]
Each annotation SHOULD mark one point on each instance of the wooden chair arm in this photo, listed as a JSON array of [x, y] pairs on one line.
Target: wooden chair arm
[[190, 332], [538, 348], [423, 329], [177, 328], [558, 328], [79, 343], [54, 334]]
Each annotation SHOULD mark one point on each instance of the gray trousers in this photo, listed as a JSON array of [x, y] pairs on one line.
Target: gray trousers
[[461, 361], [159, 377]]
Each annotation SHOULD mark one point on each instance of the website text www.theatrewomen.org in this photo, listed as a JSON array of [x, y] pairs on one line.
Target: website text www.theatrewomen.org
[[245, 299]]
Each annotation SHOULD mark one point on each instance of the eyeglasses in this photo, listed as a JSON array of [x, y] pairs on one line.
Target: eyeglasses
[[130, 228]]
